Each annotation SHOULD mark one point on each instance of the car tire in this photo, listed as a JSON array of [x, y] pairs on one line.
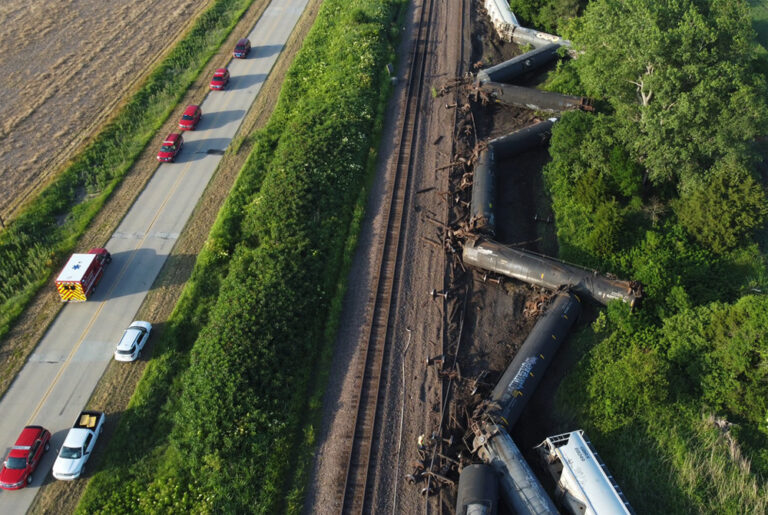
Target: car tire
[[29, 479], [47, 446], [101, 429]]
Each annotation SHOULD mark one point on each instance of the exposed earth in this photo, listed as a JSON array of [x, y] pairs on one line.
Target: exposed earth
[[480, 325], [66, 67]]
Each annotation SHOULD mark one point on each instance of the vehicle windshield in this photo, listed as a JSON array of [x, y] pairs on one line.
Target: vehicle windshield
[[168, 148], [187, 117], [240, 47], [71, 453], [16, 463]]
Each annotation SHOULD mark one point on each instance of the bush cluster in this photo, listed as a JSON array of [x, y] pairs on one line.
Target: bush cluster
[[662, 186]]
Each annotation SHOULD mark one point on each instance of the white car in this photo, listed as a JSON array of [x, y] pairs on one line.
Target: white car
[[133, 340], [78, 445]]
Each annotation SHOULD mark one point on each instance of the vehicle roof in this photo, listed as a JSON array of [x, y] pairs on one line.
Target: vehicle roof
[[76, 267], [28, 436], [24, 442], [130, 336], [191, 109], [76, 437], [221, 70], [242, 41], [172, 138]]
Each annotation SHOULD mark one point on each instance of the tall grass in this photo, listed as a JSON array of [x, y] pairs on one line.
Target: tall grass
[[35, 244]]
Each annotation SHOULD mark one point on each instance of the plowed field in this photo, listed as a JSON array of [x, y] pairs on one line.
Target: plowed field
[[66, 65]]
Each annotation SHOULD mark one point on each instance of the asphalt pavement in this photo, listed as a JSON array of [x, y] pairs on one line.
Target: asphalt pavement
[[59, 377]]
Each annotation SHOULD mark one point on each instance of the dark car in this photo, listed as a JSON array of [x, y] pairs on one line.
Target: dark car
[[24, 457], [242, 48], [190, 118], [220, 79], [171, 147]]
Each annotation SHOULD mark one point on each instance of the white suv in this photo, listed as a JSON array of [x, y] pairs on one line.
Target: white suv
[[133, 341]]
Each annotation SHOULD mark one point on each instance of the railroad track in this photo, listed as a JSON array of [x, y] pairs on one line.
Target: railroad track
[[356, 491]]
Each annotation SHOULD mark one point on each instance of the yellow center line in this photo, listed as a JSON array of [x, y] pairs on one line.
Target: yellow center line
[[95, 316], [215, 115]]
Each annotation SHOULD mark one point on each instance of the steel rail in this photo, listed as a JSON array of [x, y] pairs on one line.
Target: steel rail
[[355, 492]]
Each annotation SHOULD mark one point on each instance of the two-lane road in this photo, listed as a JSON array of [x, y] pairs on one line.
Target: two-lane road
[[55, 384]]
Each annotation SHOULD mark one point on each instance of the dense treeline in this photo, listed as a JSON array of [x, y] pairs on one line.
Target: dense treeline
[[546, 15], [36, 242], [240, 416], [664, 186]]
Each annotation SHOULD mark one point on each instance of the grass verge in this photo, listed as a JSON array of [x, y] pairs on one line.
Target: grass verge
[[279, 233]]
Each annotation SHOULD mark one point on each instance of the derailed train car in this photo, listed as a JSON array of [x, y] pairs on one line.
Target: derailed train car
[[523, 375], [536, 99], [517, 66], [584, 484], [548, 272], [478, 491], [520, 489], [482, 204], [509, 29]]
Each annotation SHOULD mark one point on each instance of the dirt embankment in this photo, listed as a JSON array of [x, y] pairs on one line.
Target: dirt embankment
[[66, 67]]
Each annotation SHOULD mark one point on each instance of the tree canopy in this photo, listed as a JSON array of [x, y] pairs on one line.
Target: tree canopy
[[681, 77]]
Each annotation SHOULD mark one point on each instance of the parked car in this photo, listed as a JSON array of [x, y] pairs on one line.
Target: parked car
[[78, 445], [190, 118], [133, 340], [171, 147], [24, 457], [220, 79], [242, 48]]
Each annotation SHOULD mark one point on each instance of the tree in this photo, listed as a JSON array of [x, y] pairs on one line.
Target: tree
[[680, 76], [723, 212]]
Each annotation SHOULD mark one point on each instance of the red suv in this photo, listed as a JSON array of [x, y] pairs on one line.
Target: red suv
[[220, 78], [192, 115], [171, 147], [24, 457], [242, 48]]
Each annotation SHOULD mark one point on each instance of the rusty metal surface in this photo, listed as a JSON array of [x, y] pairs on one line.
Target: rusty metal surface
[[548, 272]]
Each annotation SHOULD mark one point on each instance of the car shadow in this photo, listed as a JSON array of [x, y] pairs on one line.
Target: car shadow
[[216, 119], [257, 52], [246, 81], [196, 150], [43, 475]]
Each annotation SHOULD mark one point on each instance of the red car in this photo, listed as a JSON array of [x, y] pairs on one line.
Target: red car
[[171, 147], [242, 48], [192, 115], [24, 457], [220, 78]]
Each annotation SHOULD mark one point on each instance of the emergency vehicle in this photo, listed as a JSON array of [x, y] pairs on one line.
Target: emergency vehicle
[[81, 274]]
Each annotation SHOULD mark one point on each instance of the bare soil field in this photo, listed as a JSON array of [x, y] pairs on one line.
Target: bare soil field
[[66, 66]]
